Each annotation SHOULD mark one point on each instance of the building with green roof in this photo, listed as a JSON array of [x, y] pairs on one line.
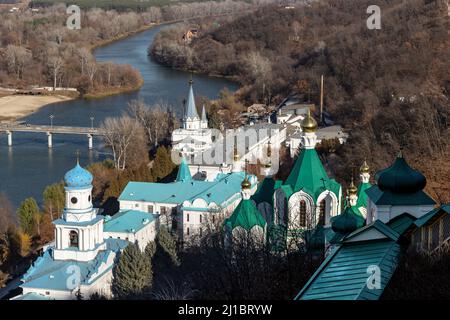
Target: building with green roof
[[308, 197], [399, 189], [246, 221]]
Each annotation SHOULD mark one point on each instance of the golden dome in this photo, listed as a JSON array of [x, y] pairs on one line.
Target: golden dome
[[364, 167], [246, 184], [352, 190], [309, 124]]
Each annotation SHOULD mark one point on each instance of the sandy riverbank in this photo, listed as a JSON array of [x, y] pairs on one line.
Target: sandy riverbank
[[13, 107]]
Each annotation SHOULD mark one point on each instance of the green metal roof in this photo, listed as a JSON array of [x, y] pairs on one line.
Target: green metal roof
[[183, 172], [246, 215], [378, 225], [401, 223], [344, 273], [362, 195], [427, 217], [266, 189], [309, 175], [380, 197], [348, 221]]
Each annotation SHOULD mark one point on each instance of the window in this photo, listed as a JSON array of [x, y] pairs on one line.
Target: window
[[150, 209], [73, 239], [322, 206], [74, 200], [213, 219], [89, 198], [136, 205], [303, 213], [187, 217], [200, 218], [187, 231], [201, 232]]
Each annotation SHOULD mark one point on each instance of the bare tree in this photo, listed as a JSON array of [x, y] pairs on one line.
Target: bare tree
[[120, 134]]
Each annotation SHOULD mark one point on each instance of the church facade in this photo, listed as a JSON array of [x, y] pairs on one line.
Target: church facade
[[86, 247]]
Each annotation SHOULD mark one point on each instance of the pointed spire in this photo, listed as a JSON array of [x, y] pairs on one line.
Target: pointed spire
[[183, 172], [77, 153], [191, 109], [204, 114]]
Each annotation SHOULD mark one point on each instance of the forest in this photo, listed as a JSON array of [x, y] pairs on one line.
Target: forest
[[37, 48], [388, 88]]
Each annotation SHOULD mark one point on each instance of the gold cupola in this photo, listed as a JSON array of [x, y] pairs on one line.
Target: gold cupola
[[246, 184], [352, 190], [364, 167], [309, 124]]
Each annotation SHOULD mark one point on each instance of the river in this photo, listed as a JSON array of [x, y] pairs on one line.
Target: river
[[29, 166]]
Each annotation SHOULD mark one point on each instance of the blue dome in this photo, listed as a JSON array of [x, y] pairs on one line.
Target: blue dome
[[78, 178]]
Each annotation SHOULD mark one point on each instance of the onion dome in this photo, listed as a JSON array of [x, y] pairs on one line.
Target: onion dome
[[246, 184], [401, 178], [352, 189], [364, 167], [309, 124], [78, 177], [347, 222]]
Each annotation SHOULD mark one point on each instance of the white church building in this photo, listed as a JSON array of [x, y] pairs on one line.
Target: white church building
[[86, 246]]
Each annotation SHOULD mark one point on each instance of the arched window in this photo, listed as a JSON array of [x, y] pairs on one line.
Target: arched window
[[303, 213], [73, 238], [321, 220]]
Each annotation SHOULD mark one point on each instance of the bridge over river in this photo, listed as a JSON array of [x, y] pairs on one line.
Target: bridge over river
[[90, 132]]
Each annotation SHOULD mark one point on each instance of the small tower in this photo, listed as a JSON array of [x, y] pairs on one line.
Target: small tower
[[79, 233], [237, 165], [352, 194], [191, 120], [309, 128], [268, 164], [364, 172], [204, 124]]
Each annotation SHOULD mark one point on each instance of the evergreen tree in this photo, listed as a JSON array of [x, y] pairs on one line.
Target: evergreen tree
[[132, 274], [150, 249], [26, 213], [162, 165], [168, 244]]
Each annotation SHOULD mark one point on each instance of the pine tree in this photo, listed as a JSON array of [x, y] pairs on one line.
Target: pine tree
[[150, 249], [26, 214], [168, 244], [132, 274]]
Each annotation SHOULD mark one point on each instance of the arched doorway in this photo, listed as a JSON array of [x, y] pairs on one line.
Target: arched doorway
[[322, 207]]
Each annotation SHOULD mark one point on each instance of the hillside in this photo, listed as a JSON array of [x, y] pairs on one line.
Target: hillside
[[389, 88]]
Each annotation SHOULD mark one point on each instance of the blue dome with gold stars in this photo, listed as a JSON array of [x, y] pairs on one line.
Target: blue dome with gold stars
[[78, 178]]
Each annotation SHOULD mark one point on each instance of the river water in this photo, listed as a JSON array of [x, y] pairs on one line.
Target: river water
[[28, 166]]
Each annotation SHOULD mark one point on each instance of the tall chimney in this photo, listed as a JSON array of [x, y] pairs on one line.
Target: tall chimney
[[321, 100]]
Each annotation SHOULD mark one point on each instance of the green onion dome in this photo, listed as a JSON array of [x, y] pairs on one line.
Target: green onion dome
[[348, 221], [401, 178]]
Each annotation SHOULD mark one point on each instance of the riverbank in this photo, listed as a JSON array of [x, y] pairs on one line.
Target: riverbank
[[13, 107]]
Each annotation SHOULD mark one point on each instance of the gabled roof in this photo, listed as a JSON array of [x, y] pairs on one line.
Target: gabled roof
[[430, 215], [376, 225], [246, 215], [183, 172], [401, 223], [309, 175], [345, 272], [380, 197], [218, 191]]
